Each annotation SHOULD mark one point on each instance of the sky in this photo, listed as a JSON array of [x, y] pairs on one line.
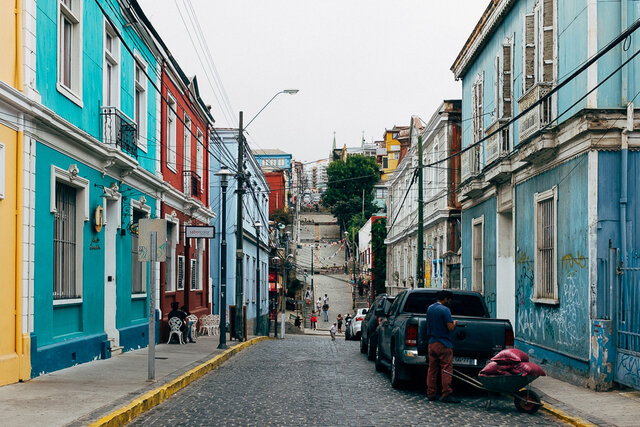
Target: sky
[[360, 66]]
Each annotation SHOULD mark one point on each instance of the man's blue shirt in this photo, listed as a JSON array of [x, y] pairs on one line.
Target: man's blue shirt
[[438, 316]]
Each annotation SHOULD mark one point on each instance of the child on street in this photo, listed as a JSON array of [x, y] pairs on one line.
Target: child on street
[[339, 319], [332, 331]]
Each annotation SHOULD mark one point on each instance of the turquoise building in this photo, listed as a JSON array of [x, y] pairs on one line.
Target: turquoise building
[[94, 172], [549, 186]]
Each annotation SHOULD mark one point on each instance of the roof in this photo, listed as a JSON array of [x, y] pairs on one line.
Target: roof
[[269, 152], [492, 16]]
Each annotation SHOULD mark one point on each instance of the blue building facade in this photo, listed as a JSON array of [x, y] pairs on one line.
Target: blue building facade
[[94, 176], [549, 200], [255, 249]]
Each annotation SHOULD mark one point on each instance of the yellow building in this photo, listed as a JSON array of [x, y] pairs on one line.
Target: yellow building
[[392, 158], [14, 340]]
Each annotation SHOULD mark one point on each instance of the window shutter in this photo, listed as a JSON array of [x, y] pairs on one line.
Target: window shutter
[[464, 165], [547, 40], [529, 51], [506, 80], [194, 279], [180, 272], [497, 86]]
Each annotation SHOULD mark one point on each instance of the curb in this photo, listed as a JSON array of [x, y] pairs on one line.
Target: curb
[[561, 415], [152, 398]]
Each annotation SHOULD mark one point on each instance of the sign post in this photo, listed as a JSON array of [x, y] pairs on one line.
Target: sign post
[[152, 243]]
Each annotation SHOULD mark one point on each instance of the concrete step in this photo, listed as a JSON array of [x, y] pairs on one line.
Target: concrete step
[[115, 349]]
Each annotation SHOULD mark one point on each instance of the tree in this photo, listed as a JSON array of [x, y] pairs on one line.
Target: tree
[[346, 182], [379, 273], [281, 216]]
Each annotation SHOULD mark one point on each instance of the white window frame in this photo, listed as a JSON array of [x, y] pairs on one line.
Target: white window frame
[[200, 157], [140, 205], [111, 57], [70, 177], [475, 222], [171, 133], [551, 194], [186, 144], [175, 238], [73, 91], [140, 85]]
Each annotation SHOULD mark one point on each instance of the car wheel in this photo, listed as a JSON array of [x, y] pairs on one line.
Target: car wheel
[[378, 362], [396, 367], [363, 345], [372, 349]]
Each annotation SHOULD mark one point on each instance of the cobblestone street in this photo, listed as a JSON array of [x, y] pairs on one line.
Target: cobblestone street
[[304, 380]]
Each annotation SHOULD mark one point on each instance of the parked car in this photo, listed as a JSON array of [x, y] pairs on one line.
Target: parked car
[[356, 323], [347, 328], [402, 341], [369, 331]]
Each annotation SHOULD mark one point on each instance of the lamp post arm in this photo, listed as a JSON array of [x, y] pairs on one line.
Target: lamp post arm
[[262, 109]]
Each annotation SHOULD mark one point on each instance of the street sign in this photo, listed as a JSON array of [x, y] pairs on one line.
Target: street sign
[[147, 226], [200, 232]]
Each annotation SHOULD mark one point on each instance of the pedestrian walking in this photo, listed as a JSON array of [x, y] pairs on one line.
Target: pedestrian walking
[[314, 321], [339, 319], [439, 328], [332, 331], [318, 304], [325, 312], [325, 299]]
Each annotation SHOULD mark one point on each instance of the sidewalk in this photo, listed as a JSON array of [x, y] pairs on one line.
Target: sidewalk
[[84, 393], [584, 407]]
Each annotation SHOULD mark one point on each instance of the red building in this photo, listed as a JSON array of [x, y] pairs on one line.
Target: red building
[[277, 184], [186, 124]]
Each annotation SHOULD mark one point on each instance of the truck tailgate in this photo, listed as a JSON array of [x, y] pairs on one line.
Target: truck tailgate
[[473, 337]]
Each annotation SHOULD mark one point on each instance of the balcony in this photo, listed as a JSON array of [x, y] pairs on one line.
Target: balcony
[[498, 145], [538, 117], [119, 130], [192, 184], [471, 161]]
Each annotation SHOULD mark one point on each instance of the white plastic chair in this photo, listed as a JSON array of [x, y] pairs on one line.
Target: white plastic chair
[[205, 324], [215, 324], [193, 320], [175, 324]]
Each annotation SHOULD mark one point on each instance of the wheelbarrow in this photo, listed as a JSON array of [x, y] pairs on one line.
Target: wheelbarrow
[[524, 399]]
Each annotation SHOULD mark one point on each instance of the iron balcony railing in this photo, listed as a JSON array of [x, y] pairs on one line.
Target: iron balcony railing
[[119, 130], [192, 183]]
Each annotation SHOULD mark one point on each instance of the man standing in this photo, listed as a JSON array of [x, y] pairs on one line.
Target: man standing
[[439, 327]]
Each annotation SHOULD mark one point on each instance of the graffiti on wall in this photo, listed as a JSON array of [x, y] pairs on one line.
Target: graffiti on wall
[[560, 326], [628, 370]]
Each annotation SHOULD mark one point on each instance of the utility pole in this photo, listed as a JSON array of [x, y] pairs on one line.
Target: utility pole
[[313, 291], [239, 321], [420, 272]]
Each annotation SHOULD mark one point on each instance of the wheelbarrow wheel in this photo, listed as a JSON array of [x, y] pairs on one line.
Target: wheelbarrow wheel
[[527, 401]]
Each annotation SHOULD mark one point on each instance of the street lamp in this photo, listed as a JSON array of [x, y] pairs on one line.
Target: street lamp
[[258, 225], [223, 174], [239, 329]]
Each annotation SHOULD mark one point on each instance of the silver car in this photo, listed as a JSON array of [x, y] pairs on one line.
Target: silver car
[[356, 323]]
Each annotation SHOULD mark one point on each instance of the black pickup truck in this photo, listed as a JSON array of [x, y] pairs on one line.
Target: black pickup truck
[[402, 341]]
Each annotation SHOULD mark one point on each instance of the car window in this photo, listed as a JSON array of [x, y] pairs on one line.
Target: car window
[[395, 305], [461, 304], [387, 304]]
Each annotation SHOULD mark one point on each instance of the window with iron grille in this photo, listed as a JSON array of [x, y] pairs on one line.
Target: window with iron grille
[[138, 269], [194, 274], [546, 235], [477, 266], [170, 268], [180, 272], [64, 244]]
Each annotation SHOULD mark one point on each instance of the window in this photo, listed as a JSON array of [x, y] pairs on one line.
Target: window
[[171, 133], [170, 266], [547, 42], [180, 272], [138, 269], [140, 101], [546, 235], [200, 157], [385, 162], [111, 75], [70, 49], [194, 274], [186, 165], [477, 99], [529, 51], [64, 243], [506, 80], [477, 246]]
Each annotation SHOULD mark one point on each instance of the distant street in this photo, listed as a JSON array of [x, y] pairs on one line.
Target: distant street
[[304, 380]]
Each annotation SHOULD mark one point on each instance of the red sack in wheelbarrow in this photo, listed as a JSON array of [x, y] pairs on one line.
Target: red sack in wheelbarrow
[[494, 369], [530, 368], [510, 356]]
